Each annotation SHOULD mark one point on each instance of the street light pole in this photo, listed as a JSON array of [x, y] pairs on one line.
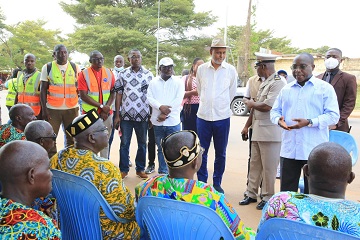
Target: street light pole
[[157, 42]]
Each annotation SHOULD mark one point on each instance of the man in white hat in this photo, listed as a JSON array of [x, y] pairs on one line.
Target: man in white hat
[[266, 136], [216, 86], [165, 95]]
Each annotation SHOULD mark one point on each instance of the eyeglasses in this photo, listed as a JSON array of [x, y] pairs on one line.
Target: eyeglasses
[[301, 66], [53, 137], [98, 59]]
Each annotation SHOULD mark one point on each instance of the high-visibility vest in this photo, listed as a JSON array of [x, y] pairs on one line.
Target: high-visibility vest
[[11, 96], [62, 88], [93, 87], [29, 93]]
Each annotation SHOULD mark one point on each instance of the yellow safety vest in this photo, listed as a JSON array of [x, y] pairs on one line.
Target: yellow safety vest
[[30, 93], [11, 96], [93, 87]]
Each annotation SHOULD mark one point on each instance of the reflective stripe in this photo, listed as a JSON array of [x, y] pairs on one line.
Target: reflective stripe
[[33, 104], [62, 95]]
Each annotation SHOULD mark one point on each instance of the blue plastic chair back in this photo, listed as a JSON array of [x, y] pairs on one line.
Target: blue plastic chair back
[[347, 141], [161, 218], [79, 202], [281, 228]]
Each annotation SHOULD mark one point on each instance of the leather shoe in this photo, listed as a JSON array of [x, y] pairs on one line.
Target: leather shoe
[[247, 200], [142, 175], [219, 189], [261, 205], [124, 175]]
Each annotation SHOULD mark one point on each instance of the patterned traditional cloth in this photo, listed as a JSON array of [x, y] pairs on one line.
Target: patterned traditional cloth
[[107, 178], [9, 133], [18, 221], [195, 192], [336, 214], [133, 87]]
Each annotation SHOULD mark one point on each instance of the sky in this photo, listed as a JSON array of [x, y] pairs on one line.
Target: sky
[[307, 23]]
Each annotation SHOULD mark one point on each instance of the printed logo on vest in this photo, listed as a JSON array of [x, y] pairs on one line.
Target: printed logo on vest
[[105, 79]]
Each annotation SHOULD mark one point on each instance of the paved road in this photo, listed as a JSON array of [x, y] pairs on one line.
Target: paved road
[[234, 181]]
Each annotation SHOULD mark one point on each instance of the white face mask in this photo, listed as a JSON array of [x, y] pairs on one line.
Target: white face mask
[[331, 63], [263, 78], [118, 69]]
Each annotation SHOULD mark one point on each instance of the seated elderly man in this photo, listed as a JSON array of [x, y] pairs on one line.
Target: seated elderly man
[[42, 133], [329, 172], [20, 115], [24, 175], [90, 135], [182, 153]]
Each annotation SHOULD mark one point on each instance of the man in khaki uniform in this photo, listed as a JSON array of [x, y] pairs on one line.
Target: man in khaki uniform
[[266, 137]]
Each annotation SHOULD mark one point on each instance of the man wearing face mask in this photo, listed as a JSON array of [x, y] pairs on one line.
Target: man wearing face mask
[[344, 85]]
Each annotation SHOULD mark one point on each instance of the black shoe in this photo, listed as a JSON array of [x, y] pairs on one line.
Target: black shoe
[[247, 200], [261, 205], [219, 189]]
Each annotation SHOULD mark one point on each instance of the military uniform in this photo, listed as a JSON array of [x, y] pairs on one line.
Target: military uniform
[[266, 138]]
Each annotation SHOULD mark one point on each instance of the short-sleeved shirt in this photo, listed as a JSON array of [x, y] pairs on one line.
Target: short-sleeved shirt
[[18, 221], [10, 133], [82, 86], [133, 87]]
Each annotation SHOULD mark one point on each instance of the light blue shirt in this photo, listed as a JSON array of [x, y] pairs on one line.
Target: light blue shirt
[[317, 101]]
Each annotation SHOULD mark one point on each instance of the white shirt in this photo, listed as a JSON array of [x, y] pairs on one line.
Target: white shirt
[[171, 93], [216, 89]]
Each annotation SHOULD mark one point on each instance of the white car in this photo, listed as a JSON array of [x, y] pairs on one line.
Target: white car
[[237, 106]]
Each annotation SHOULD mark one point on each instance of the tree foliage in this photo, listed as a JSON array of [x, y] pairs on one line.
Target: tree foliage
[[116, 27]]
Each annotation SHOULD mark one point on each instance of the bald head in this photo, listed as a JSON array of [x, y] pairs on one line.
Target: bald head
[[329, 159], [21, 115], [329, 169], [37, 129]]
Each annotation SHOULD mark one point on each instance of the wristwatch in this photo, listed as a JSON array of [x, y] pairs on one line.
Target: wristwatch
[[101, 106], [310, 123]]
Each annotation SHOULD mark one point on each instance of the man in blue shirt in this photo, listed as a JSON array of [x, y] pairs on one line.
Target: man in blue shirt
[[305, 108]]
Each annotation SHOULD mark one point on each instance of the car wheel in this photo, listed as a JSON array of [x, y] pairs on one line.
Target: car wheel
[[239, 108]]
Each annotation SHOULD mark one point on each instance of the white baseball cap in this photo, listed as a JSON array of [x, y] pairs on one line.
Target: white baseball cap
[[166, 61]]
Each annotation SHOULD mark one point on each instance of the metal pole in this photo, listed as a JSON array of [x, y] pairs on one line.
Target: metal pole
[[157, 43]]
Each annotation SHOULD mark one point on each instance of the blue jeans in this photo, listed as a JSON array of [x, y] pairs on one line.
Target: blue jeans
[[219, 131], [160, 133], [141, 136]]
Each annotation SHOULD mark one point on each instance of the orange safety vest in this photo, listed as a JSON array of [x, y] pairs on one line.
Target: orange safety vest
[[61, 88], [29, 93], [93, 87]]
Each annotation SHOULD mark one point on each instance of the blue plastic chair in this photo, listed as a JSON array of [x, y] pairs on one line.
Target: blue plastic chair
[[161, 218], [347, 141], [79, 202], [281, 228]]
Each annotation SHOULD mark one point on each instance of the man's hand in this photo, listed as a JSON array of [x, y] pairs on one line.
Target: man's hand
[[162, 117], [104, 116], [332, 127], [282, 123], [45, 114], [165, 109], [249, 103], [106, 109], [301, 122], [117, 120]]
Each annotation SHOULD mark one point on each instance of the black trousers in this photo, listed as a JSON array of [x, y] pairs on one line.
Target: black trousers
[[290, 175], [151, 146]]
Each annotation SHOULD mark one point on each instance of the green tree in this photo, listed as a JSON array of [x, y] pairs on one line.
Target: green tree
[[115, 27], [28, 37]]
